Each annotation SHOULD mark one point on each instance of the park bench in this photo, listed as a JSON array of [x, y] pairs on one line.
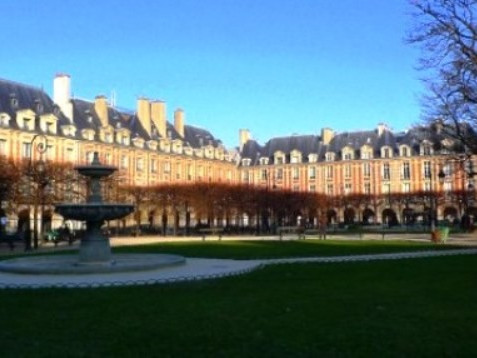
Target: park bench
[[314, 232], [10, 240], [216, 231], [297, 230]]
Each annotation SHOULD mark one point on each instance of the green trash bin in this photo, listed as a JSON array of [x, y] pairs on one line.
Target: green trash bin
[[444, 231]]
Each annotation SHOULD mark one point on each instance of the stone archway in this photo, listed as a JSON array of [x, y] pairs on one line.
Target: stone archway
[[389, 217], [349, 216], [331, 216], [369, 217], [408, 216], [450, 214]]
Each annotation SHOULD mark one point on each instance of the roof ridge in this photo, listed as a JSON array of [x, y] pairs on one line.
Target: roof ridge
[[22, 84]]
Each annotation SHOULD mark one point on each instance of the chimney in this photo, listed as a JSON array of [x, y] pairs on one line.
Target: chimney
[[179, 117], [244, 137], [62, 94], [158, 117], [101, 109], [381, 128], [144, 113], [327, 135]]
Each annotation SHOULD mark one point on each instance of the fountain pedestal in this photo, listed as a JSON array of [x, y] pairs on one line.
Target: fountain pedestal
[[94, 251]]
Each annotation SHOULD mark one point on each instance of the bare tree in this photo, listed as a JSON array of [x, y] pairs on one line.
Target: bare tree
[[446, 31]]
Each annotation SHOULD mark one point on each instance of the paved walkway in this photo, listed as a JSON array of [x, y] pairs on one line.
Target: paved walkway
[[194, 269]]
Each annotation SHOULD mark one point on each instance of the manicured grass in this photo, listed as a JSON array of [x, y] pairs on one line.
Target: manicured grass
[[420, 307], [273, 249]]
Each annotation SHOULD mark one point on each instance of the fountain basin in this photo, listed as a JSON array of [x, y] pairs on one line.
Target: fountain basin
[[93, 211], [69, 264], [96, 170]]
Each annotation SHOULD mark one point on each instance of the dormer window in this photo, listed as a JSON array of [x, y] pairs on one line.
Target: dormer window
[[4, 119], [263, 161], [347, 153], [38, 106], [313, 158], [295, 157], [426, 148], [404, 151], [13, 101], [330, 156], [366, 152], [246, 162], [386, 152]]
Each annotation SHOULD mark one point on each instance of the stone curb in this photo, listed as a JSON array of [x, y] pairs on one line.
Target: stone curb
[[236, 267]]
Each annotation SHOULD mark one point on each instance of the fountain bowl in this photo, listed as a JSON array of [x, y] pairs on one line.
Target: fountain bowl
[[93, 211]]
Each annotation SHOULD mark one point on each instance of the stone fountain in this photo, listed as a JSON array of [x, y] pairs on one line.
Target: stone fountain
[[94, 252]]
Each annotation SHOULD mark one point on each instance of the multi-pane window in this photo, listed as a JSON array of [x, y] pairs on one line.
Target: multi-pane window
[[427, 170], [153, 165], [348, 156], [263, 174], [386, 171], [366, 169], [329, 172], [347, 188], [279, 173], [296, 173], [329, 189], [178, 170], [312, 188], [347, 171], [245, 176], [405, 151], [167, 167], [386, 153], [426, 149], [70, 154], [107, 158], [26, 150], [367, 188], [124, 161], [386, 188], [279, 160], [406, 187], [427, 186], [140, 164], [406, 171], [189, 172], [312, 172]]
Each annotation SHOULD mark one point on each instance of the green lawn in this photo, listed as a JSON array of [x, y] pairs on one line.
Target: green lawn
[[419, 307], [273, 249]]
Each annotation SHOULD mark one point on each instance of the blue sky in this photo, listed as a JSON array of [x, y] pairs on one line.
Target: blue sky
[[276, 67]]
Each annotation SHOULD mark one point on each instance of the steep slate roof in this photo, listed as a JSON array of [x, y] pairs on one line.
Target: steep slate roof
[[252, 150], [308, 144], [196, 137], [85, 116], [27, 97]]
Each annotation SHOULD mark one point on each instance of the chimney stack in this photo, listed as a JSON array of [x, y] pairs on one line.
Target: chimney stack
[[144, 113], [244, 137], [327, 135], [179, 117], [158, 117], [62, 94], [101, 109], [381, 128]]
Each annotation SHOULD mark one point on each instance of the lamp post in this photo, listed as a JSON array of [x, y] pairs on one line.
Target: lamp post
[[36, 171]]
